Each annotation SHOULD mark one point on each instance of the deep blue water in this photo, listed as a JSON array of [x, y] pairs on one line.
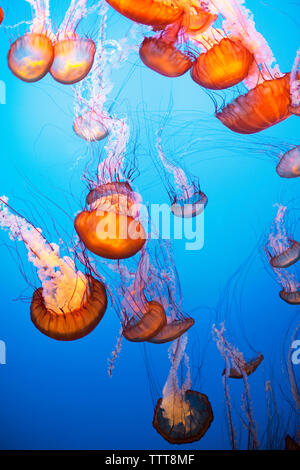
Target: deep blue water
[[56, 395]]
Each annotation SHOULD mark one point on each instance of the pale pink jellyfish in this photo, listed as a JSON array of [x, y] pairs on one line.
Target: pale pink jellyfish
[[73, 55], [70, 304], [282, 250], [295, 86], [31, 55], [236, 367], [92, 122], [187, 199], [182, 415], [289, 165]]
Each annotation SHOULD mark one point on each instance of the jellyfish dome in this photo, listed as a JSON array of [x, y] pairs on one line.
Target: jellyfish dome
[[163, 57], [1, 15], [262, 107], [189, 206], [224, 65], [69, 325], [73, 60], [290, 297], [110, 228], [30, 57], [144, 326], [172, 330], [149, 12], [288, 257], [90, 126], [248, 367], [289, 165], [184, 418]]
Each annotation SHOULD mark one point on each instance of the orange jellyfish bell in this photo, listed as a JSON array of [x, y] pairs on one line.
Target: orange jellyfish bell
[[73, 60], [149, 12], [288, 257], [185, 421], [163, 57], [290, 297], [248, 368], [111, 228], [145, 326], [198, 20], [226, 64], [262, 107], [30, 57], [1, 15], [73, 324], [90, 126]]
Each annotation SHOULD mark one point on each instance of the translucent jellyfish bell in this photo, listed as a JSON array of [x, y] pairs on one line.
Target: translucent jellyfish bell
[[190, 207], [73, 60], [249, 367], [90, 127], [288, 257], [30, 57], [185, 419]]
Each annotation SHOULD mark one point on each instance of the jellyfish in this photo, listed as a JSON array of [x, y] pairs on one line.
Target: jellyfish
[[289, 165], [162, 54], [70, 304], [150, 311], [236, 365], [182, 415], [248, 367], [1, 15], [92, 122], [225, 62], [110, 227], [295, 86], [73, 55], [291, 444], [283, 251], [268, 99], [187, 199], [30, 57], [149, 12]]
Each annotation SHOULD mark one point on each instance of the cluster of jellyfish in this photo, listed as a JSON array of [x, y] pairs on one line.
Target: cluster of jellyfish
[[216, 40]]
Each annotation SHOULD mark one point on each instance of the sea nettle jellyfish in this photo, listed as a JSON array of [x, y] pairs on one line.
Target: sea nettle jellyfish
[[187, 199], [295, 86], [110, 225], [1, 15], [73, 55], [225, 62], [237, 367], [92, 121], [69, 305], [282, 252], [289, 165], [150, 311], [182, 415], [31, 55], [162, 54], [267, 102]]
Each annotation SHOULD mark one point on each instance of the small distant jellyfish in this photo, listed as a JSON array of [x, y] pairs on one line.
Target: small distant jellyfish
[[284, 252], [30, 57], [73, 55], [69, 305], [247, 367], [225, 63], [92, 122], [182, 415], [162, 54], [187, 199], [110, 226], [149, 12], [295, 86], [289, 165]]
